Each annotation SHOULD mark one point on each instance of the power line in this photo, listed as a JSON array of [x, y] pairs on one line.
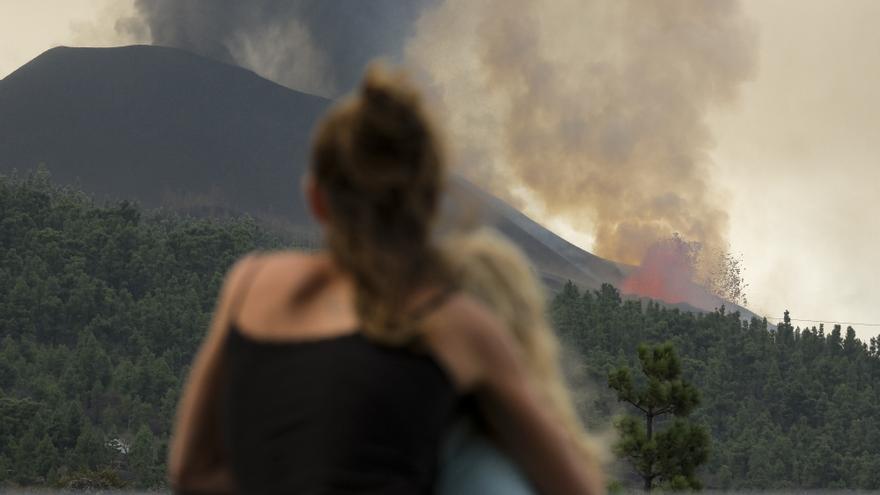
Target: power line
[[849, 323]]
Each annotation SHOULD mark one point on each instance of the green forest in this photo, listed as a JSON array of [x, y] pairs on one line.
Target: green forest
[[786, 407], [101, 311], [102, 307]]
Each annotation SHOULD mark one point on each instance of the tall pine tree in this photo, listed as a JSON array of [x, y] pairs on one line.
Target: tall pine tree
[[671, 456]]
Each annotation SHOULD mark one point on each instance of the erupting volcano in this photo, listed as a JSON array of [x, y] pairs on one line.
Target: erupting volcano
[[589, 114], [677, 271], [666, 272]]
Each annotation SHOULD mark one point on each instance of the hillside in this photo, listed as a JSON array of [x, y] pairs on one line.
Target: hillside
[[789, 409], [102, 307], [558, 259], [101, 311], [159, 125], [169, 128]]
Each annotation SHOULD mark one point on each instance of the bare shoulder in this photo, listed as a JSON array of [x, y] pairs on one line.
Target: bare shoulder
[[467, 319], [289, 259], [291, 265], [468, 339], [236, 273]]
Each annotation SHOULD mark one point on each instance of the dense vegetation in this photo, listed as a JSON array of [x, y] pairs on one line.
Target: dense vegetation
[[101, 310], [786, 407], [102, 307]]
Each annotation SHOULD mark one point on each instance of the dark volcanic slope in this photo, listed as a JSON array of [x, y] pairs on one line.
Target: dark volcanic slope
[[170, 128], [558, 260], [160, 125]]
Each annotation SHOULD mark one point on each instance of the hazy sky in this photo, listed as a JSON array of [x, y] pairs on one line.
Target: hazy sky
[[798, 156], [29, 27]]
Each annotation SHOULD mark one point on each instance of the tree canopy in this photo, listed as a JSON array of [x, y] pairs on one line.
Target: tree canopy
[[786, 407], [102, 307], [101, 310]]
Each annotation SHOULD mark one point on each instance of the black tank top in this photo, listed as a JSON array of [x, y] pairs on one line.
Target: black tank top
[[339, 415]]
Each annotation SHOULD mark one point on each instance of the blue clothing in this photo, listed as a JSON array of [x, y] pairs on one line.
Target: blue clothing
[[472, 465]]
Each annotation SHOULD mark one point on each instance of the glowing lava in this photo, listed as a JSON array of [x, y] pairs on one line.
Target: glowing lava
[[667, 274]]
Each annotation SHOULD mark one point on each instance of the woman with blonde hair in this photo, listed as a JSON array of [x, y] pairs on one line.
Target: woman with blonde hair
[[338, 372], [495, 272]]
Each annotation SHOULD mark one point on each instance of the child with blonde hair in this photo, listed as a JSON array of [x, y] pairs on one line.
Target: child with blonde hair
[[494, 271]]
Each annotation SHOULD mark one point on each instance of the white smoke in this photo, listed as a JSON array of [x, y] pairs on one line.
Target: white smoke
[[593, 109], [285, 52]]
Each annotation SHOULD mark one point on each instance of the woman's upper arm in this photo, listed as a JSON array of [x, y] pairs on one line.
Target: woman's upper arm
[[513, 410], [195, 450]]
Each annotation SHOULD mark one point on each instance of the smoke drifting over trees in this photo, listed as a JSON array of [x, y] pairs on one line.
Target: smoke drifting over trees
[[592, 109]]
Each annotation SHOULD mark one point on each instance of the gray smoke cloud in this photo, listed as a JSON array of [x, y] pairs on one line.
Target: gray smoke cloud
[[320, 47], [591, 109]]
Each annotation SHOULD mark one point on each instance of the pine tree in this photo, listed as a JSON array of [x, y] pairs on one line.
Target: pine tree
[[566, 308], [91, 451], [670, 456], [143, 457]]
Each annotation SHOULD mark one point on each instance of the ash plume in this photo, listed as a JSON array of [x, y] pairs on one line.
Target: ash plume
[[309, 45], [593, 110]]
